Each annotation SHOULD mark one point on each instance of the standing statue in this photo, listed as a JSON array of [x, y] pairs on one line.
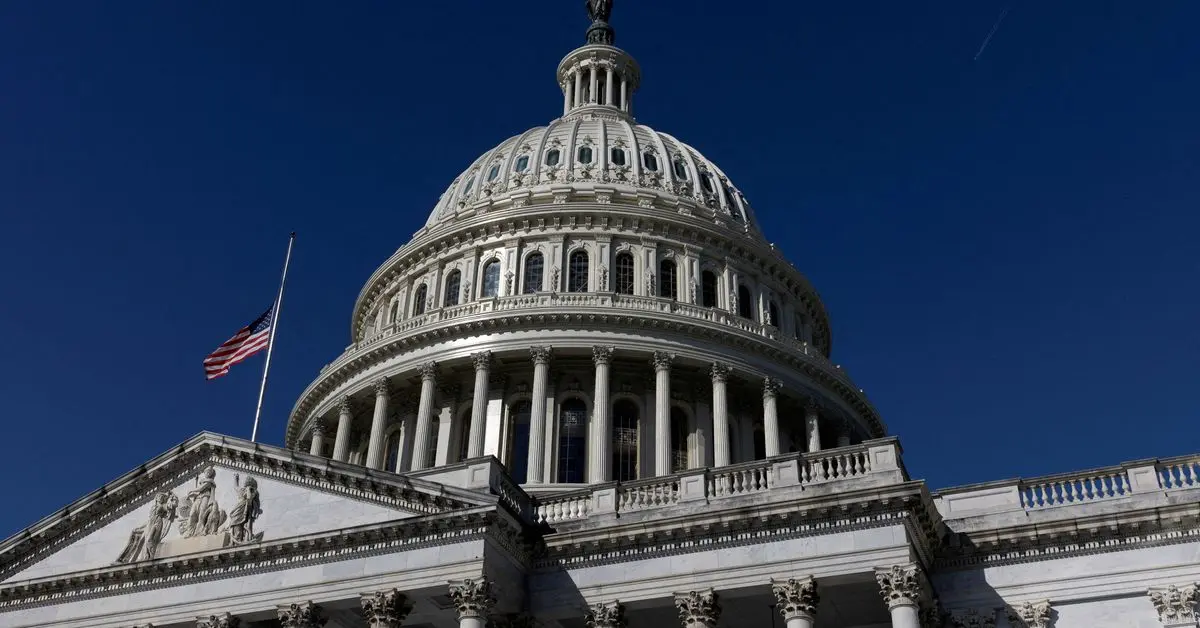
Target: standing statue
[[599, 10], [143, 541], [200, 513], [248, 508], [600, 32]]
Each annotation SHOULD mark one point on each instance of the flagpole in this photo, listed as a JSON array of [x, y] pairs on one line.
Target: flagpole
[[271, 343]]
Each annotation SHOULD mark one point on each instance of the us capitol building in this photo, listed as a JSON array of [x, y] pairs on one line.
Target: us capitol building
[[589, 392]]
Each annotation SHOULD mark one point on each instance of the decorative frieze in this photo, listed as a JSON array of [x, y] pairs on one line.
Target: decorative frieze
[[797, 598], [386, 609], [900, 585], [1176, 605], [224, 620], [698, 609], [606, 615], [473, 598], [301, 615], [1031, 615]]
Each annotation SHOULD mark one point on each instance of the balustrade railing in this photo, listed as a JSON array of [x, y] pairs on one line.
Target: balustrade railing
[[833, 465], [1074, 489], [1179, 473]]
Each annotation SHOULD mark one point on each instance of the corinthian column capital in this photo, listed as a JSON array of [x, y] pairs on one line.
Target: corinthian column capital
[[386, 609], [224, 620], [472, 598], [301, 615], [796, 597], [540, 355], [771, 386], [1176, 605], [428, 371], [602, 355], [900, 585], [698, 609], [482, 360], [720, 372], [1031, 615], [606, 615], [344, 405], [381, 387], [662, 360]]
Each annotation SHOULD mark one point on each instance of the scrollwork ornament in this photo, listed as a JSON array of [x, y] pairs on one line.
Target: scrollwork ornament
[[386, 609], [224, 620], [482, 360], [301, 615], [1031, 615], [602, 355], [900, 585], [797, 598], [540, 355], [1174, 604], [606, 615], [428, 371], [698, 609], [472, 598], [661, 360]]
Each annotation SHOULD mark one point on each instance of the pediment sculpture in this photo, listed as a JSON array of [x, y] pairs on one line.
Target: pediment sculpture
[[203, 525]]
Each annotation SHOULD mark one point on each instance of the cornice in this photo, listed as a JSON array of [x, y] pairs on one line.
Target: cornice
[[617, 218], [813, 365], [340, 545]]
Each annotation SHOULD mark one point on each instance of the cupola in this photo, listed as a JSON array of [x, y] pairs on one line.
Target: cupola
[[598, 77]]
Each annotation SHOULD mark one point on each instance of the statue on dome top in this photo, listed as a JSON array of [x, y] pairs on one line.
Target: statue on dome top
[[599, 10], [600, 32]]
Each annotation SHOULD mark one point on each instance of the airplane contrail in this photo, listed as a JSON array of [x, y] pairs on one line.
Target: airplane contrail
[[995, 27]]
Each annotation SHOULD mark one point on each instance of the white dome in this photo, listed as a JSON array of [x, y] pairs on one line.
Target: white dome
[[575, 155]]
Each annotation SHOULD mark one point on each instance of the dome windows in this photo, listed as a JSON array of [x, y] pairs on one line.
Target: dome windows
[[535, 266], [418, 305], [577, 272], [667, 280], [470, 184], [493, 173], [617, 156], [453, 287], [552, 157], [706, 181], [624, 273], [650, 161], [522, 163], [585, 155], [681, 171], [491, 279]]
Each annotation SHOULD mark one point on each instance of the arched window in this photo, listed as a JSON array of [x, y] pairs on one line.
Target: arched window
[[577, 272], [435, 430], [491, 279], [572, 441], [650, 160], [585, 155], [493, 173], [624, 273], [772, 314], [522, 163], [453, 287], [518, 441], [617, 156], [535, 265], [708, 288], [745, 303], [418, 307], [679, 434], [667, 284], [552, 157], [731, 202], [625, 441], [395, 312], [391, 451], [680, 170]]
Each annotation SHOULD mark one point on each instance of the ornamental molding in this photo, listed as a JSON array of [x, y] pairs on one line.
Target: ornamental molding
[[900, 585], [1175, 604], [473, 598], [386, 609], [346, 544], [796, 598], [302, 615], [1032, 615], [606, 615]]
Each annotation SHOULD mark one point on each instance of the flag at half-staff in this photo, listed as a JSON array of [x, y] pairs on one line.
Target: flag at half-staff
[[248, 341]]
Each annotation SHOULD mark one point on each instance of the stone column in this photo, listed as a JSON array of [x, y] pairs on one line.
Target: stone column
[[483, 364], [812, 427], [662, 412], [900, 586], [375, 456], [577, 78], [606, 615], [224, 620], [624, 93], [720, 415], [608, 86], [341, 441], [797, 601], [386, 609], [566, 87], [770, 416], [600, 451], [594, 78], [537, 418], [318, 440], [698, 609], [473, 601], [420, 452], [1176, 605], [301, 615]]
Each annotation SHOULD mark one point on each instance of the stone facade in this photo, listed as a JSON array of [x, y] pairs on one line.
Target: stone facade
[[590, 393]]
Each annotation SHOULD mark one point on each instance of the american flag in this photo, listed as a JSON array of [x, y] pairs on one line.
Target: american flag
[[249, 340]]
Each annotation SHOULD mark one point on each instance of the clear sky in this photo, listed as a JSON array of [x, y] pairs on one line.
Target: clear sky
[[1006, 246]]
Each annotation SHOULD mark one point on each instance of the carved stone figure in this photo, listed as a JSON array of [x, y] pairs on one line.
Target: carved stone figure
[[248, 508], [200, 513], [599, 10], [144, 539]]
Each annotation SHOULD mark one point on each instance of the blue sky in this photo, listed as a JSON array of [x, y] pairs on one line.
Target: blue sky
[[1006, 246]]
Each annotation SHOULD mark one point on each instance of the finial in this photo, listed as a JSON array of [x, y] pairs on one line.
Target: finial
[[600, 32]]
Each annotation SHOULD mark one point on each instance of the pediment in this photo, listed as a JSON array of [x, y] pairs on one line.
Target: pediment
[[215, 494]]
